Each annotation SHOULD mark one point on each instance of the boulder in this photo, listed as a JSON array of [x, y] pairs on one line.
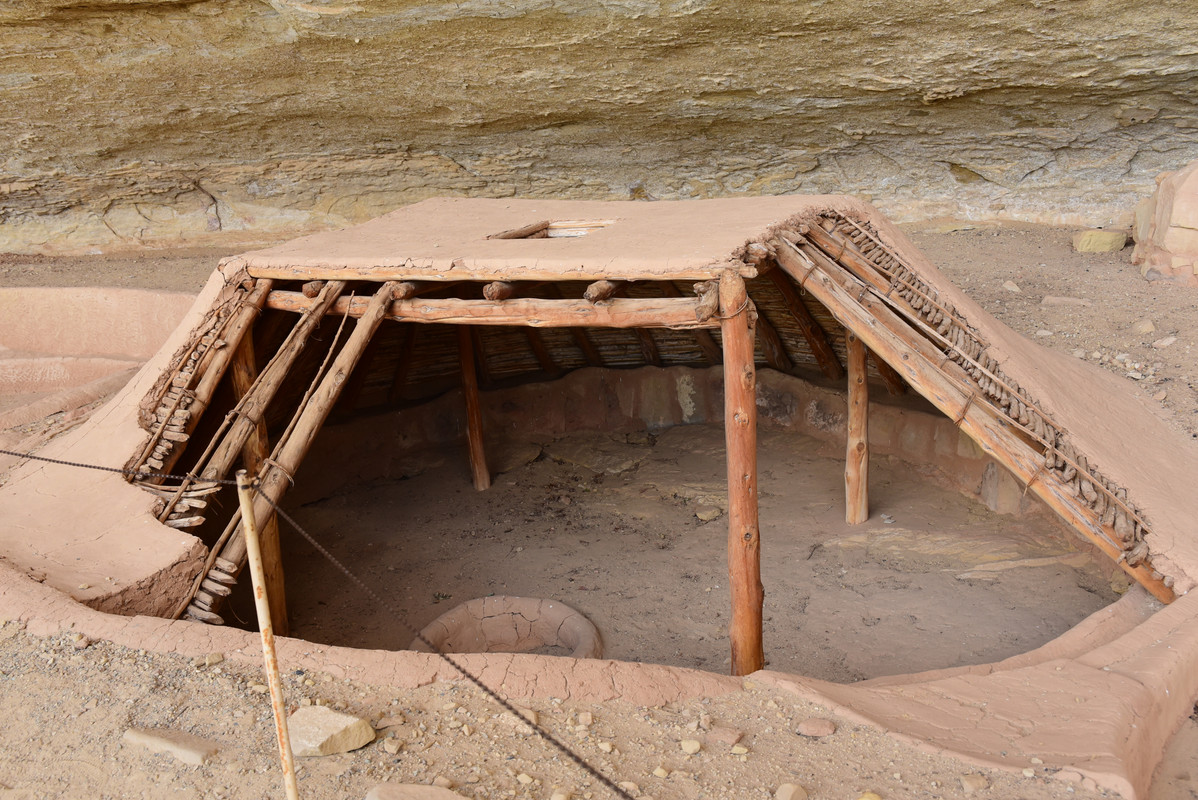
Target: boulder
[[1166, 230]]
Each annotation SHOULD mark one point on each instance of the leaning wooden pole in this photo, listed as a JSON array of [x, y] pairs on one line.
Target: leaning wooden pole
[[856, 468], [474, 414], [245, 495], [277, 473], [740, 431]]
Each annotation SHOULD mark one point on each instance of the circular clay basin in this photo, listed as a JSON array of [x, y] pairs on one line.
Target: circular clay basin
[[501, 624]]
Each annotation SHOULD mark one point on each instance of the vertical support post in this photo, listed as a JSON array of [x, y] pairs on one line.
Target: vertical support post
[[474, 414], [740, 431], [856, 468], [271, 661]]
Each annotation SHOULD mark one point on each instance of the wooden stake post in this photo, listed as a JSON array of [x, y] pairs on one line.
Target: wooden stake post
[[740, 431], [245, 495], [474, 415], [856, 468]]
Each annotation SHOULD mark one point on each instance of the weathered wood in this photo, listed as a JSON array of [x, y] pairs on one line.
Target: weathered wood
[[533, 312], [498, 290], [442, 273], [856, 468], [919, 362], [816, 338], [480, 358], [252, 408], [740, 431], [474, 414], [708, 306], [707, 343], [649, 350], [525, 232], [243, 374], [599, 291], [895, 384], [772, 345], [312, 288], [275, 476], [544, 357]]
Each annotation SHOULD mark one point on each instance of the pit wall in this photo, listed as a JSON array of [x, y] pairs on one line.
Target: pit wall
[[403, 443]]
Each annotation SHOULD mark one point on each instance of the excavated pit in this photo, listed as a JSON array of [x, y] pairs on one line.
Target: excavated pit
[[629, 528]]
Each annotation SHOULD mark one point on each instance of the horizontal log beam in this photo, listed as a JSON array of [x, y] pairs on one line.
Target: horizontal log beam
[[425, 271], [664, 312]]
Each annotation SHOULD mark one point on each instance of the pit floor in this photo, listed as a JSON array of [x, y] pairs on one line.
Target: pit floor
[[609, 525]]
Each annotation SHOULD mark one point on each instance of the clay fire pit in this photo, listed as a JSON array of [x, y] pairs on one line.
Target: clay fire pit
[[503, 624]]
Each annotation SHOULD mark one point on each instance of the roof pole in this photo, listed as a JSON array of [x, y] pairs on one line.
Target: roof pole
[[737, 318]]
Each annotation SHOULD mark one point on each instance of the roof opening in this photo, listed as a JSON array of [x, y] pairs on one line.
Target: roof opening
[[561, 229]]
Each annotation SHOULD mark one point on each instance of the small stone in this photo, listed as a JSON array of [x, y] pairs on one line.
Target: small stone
[[1160, 396], [739, 749], [321, 731], [1028, 772], [1050, 300], [393, 721], [817, 726], [708, 513], [1145, 327], [1035, 760], [691, 746], [870, 796], [560, 795], [467, 730], [1012, 287], [260, 688], [212, 659], [183, 746], [605, 747], [450, 706], [82, 642], [629, 787], [305, 701], [586, 718], [1099, 241], [790, 791], [445, 783], [661, 772], [1161, 344], [974, 783], [392, 746], [85, 586], [1043, 333]]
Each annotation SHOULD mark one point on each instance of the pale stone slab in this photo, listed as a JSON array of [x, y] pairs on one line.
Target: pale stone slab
[[410, 791], [187, 748], [1099, 241], [321, 731]]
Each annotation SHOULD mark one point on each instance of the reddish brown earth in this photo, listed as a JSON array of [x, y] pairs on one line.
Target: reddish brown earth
[[68, 707]]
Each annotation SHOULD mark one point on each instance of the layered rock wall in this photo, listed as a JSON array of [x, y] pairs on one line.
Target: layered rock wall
[[130, 122]]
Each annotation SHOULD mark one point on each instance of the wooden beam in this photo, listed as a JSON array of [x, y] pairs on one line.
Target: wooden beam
[[771, 344], [707, 344], [474, 415], [599, 291], [526, 232], [480, 358], [816, 338], [919, 362], [446, 271], [544, 357], [895, 384], [533, 312], [856, 468], [496, 291], [275, 476], [740, 432]]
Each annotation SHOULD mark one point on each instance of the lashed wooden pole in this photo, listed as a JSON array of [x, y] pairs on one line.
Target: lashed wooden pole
[[245, 495], [740, 432], [856, 468]]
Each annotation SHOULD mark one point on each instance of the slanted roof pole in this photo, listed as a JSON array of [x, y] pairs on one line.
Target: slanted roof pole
[[737, 323]]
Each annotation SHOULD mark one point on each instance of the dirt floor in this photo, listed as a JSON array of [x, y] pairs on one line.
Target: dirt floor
[[878, 599]]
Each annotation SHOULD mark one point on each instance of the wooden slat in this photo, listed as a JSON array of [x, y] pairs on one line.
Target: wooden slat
[[771, 344], [534, 312], [740, 431], [817, 340], [707, 343], [895, 384]]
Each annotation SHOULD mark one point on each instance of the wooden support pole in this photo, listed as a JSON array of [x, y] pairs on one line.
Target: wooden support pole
[[474, 414], [276, 475], [534, 312], [922, 366], [269, 656], [856, 468], [740, 432], [817, 340]]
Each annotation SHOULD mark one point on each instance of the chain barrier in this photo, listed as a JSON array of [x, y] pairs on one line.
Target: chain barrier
[[548, 737]]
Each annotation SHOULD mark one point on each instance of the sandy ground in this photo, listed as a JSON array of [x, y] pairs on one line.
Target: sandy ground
[[849, 611]]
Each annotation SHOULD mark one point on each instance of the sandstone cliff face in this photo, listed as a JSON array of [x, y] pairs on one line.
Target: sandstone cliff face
[[131, 122]]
